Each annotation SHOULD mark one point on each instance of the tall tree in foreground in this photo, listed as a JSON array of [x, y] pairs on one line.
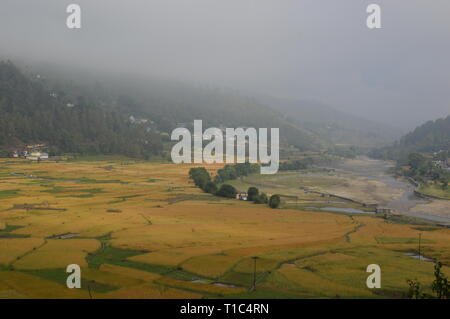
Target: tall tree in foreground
[[440, 284]]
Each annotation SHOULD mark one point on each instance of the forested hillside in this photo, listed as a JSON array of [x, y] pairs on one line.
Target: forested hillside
[[30, 113], [76, 111], [336, 126], [169, 104], [433, 136]]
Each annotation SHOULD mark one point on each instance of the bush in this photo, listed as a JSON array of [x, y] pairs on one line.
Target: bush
[[440, 285], [200, 176], [227, 191], [415, 289], [252, 192], [230, 172], [261, 199], [210, 187], [274, 201]]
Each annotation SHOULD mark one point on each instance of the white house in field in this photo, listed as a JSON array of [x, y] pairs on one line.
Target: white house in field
[[242, 196], [36, 156]]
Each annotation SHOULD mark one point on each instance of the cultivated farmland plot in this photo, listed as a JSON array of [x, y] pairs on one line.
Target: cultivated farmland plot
[[143, 230]]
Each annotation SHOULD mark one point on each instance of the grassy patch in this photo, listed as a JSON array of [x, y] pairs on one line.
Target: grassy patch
[[99, 158], [117, 256], [238, 278], [403, 240], [424, 228], [60, 276], [436, 190], [185, 197], [9, 193], [128, 196], [78, 196], [62, 190], [6, 232], [82, 180], [121, 199]]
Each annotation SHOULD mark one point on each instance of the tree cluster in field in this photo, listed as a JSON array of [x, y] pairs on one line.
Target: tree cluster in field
[[440, 286], [261, 198], [423, 170], [203, 180], [295, 165], [30, 114], [231, 172]]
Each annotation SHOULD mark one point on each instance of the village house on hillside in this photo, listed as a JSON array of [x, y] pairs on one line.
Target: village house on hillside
[[37, 156], [31, 152], [136, 120], [441, 159]]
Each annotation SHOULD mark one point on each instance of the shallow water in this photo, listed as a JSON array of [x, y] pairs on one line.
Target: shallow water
[[420, 257]]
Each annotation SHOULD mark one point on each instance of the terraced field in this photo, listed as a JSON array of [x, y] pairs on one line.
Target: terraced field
[[143, 230]]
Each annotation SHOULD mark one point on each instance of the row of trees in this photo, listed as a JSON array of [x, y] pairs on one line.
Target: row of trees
[[261, 198], [203, 180], [294, 165], [230, 172]]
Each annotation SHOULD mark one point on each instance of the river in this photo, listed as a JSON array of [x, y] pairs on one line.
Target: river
[[379, 171]]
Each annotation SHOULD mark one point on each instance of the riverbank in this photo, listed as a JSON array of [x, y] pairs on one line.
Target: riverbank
[[363, 184], [409, 202]]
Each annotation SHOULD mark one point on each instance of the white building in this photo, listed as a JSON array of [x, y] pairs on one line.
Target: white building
[[36, 156], [242, 196]]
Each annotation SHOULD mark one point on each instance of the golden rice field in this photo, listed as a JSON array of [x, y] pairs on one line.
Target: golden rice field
[[143, 230]]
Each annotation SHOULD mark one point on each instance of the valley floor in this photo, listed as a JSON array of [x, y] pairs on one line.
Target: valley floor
[[143, 230]]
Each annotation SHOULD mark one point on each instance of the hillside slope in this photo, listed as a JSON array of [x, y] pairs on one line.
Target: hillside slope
[[333, 125], [116, 114], [433, 136], [167, 104], [30, 113]]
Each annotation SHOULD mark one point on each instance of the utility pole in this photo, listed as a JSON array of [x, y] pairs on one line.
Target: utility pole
[[254, 273]]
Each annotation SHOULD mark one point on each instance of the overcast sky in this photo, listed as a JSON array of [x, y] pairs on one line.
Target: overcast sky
[[314, 49]]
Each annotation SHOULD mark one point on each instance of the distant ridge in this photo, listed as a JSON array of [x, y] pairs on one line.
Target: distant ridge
[[433, 136], [333, 125]]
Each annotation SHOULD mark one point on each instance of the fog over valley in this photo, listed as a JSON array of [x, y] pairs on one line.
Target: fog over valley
[[320, 51]]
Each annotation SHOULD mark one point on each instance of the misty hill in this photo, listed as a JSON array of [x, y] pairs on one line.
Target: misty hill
[[168, 104], [333, 125], [30, 113], [433, 136], [109, 114]]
